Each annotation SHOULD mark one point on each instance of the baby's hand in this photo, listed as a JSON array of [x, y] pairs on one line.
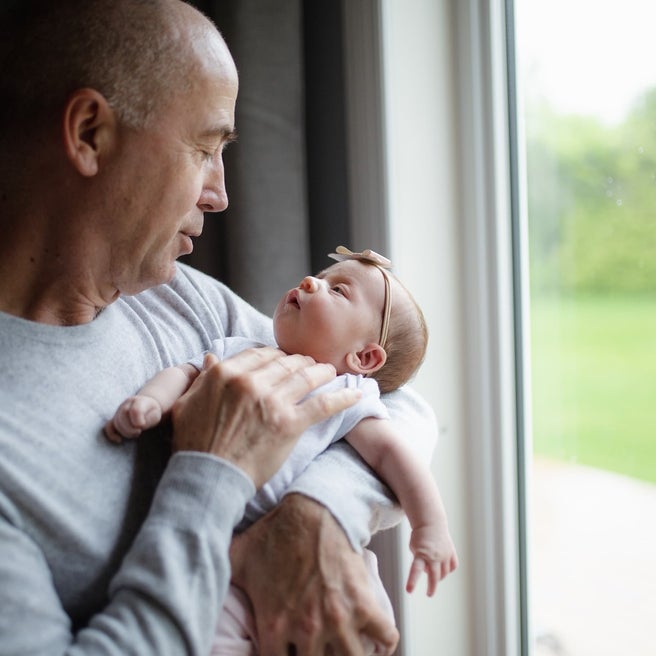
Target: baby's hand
[[135, 415], [434, 553]]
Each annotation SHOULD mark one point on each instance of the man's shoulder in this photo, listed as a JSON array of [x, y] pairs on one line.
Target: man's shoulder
[[181, 316], [192, 282], [194, 300]]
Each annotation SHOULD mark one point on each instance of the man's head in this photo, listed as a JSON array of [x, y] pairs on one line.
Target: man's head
[[134, 52], [122, 108], [336, 317]]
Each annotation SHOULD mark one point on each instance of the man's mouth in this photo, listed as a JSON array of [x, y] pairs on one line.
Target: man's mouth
[[196, 232], [188, 237]]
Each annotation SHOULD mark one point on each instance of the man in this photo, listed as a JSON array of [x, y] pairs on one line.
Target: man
[[113, 120]]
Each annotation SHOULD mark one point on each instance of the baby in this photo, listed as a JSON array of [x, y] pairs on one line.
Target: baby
[[358, 317]]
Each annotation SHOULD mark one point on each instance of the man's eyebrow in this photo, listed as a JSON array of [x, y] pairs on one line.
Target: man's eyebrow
[[228, 135]]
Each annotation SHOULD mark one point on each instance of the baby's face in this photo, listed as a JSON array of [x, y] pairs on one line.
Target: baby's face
[[337, 312]]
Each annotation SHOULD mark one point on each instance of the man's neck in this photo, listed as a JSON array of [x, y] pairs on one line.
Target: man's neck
[[49, 307], [47, 291]]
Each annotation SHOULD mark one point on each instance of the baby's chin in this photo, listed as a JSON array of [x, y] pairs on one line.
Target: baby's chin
[[282, 343]]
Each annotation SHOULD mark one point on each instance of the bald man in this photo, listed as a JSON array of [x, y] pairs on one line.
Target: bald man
[[114, 115]]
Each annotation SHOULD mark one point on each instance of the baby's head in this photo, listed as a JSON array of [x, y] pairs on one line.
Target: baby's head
[[356, 316]]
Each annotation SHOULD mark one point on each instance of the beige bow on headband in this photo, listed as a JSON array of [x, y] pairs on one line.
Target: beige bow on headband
[[383, 264]]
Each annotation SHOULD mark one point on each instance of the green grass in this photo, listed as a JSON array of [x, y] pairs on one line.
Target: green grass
[[594, 382]]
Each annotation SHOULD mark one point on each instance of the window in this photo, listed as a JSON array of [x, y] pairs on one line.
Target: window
[[587, 108], [453, 184]]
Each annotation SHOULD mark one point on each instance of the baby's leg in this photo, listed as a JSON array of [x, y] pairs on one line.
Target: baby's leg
[[235, 630]]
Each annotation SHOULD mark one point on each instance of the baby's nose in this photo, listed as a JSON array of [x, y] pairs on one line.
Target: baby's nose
[[309, 284]]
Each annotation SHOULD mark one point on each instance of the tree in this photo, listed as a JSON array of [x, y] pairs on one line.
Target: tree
[[590, 198]]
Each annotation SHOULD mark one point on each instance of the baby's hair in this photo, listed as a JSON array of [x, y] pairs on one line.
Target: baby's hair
[[406, 341]]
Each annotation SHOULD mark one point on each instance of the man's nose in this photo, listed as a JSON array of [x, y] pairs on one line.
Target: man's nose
[[214, 197]]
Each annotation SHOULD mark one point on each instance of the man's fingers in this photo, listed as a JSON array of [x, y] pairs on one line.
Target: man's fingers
[[245, 361], [357, 630], [308, 643], [321, 406], [250, 409], [295, 376], [292, 376], [276, 643], [381, 631]]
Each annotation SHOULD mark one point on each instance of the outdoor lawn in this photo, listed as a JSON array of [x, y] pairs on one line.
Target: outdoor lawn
[[594, 381]]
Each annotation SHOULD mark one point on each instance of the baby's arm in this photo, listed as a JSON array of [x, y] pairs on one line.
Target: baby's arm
[[145, 409], [384, 451]]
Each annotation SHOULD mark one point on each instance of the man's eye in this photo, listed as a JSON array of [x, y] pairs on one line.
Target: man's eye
[[209, 153]]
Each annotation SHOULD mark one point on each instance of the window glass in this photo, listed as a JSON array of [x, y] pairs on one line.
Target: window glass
[[587, 83]]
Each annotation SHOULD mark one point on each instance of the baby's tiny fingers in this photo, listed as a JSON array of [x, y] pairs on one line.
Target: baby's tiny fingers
[[416, 569], [111, 433]]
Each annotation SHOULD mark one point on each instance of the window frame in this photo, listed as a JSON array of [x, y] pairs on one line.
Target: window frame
[[491, 364], [495, 305]]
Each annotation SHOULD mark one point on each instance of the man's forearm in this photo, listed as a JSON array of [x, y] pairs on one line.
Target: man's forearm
[[167, 594]]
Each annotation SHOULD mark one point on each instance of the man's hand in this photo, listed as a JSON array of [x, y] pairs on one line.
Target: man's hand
[[309, 590], [251, 409]]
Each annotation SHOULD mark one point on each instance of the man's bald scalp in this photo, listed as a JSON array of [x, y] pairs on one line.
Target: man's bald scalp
[[134, 52]]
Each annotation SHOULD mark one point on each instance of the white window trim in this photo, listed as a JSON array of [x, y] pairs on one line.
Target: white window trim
[[475, 173], [489, 304]]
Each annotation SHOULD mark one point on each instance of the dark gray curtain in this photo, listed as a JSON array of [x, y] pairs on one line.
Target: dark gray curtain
[[286, 175]]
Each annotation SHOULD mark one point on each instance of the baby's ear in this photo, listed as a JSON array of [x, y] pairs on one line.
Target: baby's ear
[[370, 359]]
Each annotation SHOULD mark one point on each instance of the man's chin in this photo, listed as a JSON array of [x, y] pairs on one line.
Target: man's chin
[[159, 277], [173, 269]]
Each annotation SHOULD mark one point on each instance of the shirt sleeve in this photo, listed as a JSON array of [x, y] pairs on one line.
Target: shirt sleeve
[[369, 505], [164, 598]]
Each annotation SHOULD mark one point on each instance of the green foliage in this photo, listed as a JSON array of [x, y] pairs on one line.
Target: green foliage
[[591, 201], [593, 393]]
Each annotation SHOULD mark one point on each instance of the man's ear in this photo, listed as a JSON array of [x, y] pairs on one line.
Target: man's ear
[[371, 358], [89, 130]]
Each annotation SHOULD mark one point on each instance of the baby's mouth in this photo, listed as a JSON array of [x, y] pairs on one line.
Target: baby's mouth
[[292, 299]]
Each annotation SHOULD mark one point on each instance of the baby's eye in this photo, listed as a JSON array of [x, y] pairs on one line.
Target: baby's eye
[[338, 289]]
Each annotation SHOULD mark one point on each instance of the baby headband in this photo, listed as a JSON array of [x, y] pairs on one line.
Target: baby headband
[[383, 265]]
